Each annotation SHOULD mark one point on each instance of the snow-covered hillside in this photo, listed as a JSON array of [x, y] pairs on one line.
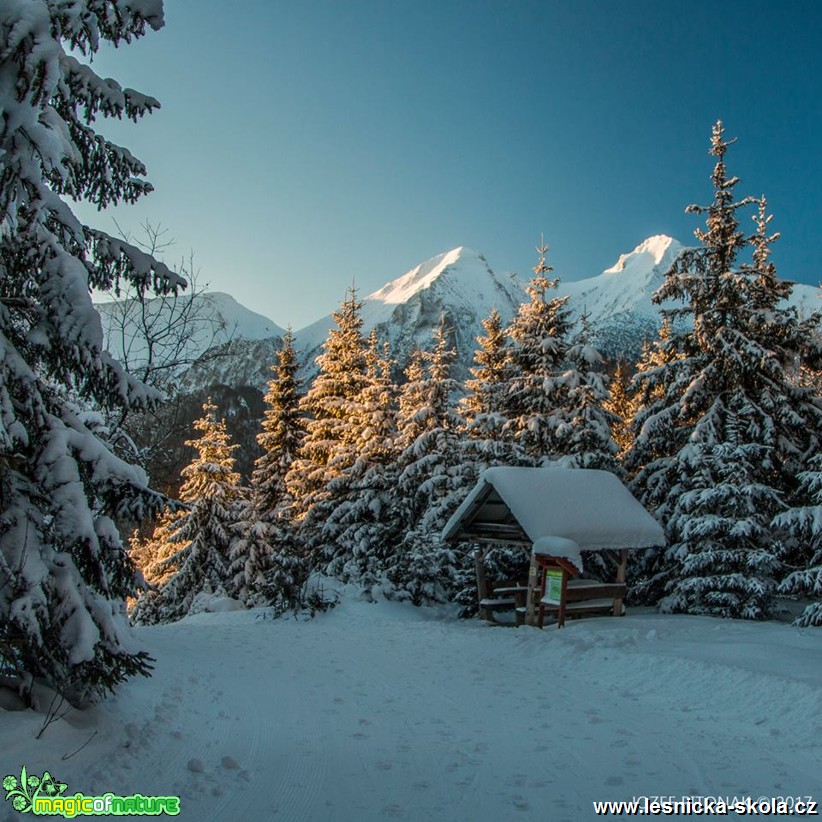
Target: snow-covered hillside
[[458, 284], [380, 711], [241, 362], [618, 301], [627, 286]]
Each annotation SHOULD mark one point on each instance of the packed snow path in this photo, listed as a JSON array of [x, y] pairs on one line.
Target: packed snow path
[[381, 711]]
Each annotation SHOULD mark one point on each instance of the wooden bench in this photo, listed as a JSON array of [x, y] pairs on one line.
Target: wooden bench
[[505, 595], [586, 597]]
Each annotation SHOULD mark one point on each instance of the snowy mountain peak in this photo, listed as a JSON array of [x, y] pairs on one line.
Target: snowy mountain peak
[[457, 284], [424, 275], [618, 302], [658, 251]]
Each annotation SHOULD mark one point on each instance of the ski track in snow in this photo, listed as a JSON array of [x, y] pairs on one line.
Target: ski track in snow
[[375, 712]]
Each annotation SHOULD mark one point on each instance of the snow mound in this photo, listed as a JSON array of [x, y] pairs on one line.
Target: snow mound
[[205, 603]]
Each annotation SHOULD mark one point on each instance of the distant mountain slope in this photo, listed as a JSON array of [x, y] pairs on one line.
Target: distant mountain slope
[[221, 319], [458, 284], [806, 299], [618, 301], [627, 286], [236, 363]]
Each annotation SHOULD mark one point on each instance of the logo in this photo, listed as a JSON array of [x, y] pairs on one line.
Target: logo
[[45, 796]]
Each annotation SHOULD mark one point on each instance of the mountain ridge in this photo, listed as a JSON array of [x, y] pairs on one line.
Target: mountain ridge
[[461, 286]]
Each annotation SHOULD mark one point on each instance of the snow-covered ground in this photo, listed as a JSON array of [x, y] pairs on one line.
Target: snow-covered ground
[[381, 711]]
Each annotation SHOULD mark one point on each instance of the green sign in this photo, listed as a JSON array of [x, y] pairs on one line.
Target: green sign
[[553, 585]]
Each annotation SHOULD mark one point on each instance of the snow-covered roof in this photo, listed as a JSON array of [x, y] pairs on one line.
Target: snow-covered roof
[[592, 508]]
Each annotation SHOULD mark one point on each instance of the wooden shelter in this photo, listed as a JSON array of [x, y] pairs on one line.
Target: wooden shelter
[[555, 514]]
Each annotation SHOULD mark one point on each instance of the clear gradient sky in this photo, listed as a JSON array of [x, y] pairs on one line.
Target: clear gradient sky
[[303, 144]]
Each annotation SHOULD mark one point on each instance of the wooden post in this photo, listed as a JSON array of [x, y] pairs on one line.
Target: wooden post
[[533, 591], [482, 583], [562, 599], [621, 571]]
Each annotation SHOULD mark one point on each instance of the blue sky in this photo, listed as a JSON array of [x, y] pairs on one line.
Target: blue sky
[[305, 144]]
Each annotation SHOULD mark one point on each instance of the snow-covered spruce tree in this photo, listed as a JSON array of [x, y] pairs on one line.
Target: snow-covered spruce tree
[[483, 405], [433, 477], [64, 574], [328, 445], [266, 564], [583, 431], [620, 404], [648, 393], [801, 339], [488, 437], [150, 554], [487, 440], [717, 454], [366, 522], [411, 401], [283, 431], [539, 335], [203, 537], [801, 531]]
